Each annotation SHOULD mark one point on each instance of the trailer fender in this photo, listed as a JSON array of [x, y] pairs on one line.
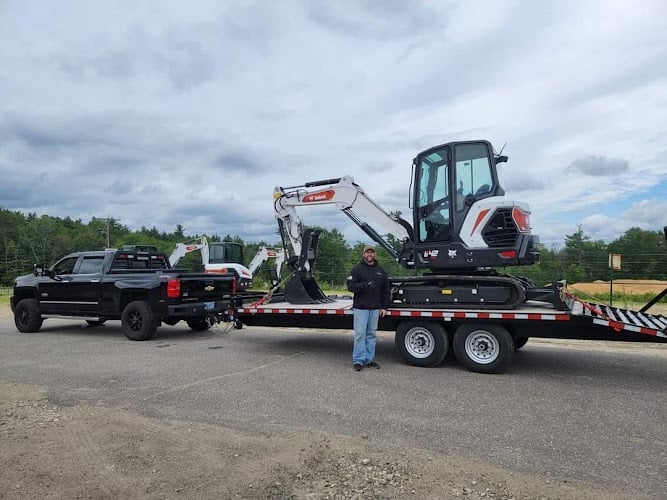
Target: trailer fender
[[422, 343], [519, 342]]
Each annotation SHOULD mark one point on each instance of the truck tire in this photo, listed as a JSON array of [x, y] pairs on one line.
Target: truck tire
[[422, 343], [483, 348], [27, 317], [92, 323], [198, 324], [138, 321], [519, 342]]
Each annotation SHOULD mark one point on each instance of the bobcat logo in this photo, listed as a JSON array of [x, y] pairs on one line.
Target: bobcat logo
[[451, 254]]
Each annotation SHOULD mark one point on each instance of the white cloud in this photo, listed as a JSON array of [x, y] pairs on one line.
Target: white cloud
[[165, 113]]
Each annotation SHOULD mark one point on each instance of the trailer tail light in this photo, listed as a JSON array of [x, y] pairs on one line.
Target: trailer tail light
[[174, 289], [508, 254], [521, 219]]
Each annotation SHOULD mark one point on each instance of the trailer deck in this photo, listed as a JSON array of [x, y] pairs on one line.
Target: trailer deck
[[616, 319], [483, 340]]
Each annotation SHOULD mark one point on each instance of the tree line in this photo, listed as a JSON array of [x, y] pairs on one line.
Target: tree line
[[29, 239]]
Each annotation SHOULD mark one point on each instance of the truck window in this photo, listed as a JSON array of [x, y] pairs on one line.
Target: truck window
[[91, 265], [65, 266]]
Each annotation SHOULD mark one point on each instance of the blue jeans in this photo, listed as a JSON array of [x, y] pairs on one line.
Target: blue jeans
[[365, 326]]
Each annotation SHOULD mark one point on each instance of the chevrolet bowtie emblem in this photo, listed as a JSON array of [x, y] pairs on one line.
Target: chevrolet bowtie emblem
[[209, 288]]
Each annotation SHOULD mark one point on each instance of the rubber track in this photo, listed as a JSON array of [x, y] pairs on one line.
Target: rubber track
[[516, 287]]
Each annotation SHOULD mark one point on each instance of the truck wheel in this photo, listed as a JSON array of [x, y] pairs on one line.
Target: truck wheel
[[198, 324], [519, 342], [483, 348], [93, 323], [137, 321], [27, 317], [422, 343]]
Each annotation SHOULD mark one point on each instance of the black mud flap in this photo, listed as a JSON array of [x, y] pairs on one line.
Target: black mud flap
[[304, 290]]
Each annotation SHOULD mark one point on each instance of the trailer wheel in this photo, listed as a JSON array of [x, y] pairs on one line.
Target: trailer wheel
[[484, 348], [138, 321], [519, 342], [27, 317], [422, 343], [198, 324]]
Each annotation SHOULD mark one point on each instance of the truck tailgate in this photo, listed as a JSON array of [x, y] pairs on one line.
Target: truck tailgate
[[204, 287]]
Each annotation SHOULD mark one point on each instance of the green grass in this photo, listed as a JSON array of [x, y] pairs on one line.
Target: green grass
[[4, 298]]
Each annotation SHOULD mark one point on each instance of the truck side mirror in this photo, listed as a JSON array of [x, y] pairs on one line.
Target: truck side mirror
[[38, 270]]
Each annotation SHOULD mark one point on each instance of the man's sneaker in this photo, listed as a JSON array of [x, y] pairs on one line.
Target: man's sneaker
[[358, 366], [373, 364]]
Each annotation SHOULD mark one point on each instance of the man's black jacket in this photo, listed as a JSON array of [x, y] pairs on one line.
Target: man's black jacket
[[370, 285]]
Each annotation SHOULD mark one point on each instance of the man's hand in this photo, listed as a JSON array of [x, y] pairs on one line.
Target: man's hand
[[370, 285], [383, 313]]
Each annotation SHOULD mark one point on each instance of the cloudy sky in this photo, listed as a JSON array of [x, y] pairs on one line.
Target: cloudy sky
[[160, 113]]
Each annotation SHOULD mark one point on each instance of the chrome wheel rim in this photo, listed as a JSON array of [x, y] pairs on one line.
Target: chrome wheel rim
[[419, 343], [482, 347]]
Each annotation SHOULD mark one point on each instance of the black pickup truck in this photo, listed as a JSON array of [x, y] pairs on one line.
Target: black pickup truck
[[134, 285]]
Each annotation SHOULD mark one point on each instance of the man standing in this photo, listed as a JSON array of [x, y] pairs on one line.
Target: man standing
[[370, 285]]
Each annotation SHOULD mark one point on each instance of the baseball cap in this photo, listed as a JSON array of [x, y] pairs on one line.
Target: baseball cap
[[369, 247]]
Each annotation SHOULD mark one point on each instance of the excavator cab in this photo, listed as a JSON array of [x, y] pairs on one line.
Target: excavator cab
[[225, 252], [461, 218]]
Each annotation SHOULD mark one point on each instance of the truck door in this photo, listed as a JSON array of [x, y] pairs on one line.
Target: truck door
[[73, 287]]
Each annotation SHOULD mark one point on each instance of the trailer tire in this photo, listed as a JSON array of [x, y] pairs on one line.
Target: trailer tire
[[138, 321], [198, 324], [422, 343], [519, 342], [27, 317], [483, 348]]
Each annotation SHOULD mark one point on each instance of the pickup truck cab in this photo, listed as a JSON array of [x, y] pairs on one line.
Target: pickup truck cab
[[135, 285]]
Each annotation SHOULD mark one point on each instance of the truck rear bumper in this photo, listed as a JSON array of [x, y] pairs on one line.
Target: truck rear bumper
[[199, 309]]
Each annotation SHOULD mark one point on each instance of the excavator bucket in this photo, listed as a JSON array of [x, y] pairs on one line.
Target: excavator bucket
[[302, 289]]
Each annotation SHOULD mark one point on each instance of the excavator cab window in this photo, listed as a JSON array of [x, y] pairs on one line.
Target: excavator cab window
[[225, 252], [234, 253], [433, 202], [473, 173]]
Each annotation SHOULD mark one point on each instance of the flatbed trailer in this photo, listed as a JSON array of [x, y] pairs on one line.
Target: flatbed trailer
[[482, 340]]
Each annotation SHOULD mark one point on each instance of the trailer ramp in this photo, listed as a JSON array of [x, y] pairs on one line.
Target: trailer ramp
[[620, 319]]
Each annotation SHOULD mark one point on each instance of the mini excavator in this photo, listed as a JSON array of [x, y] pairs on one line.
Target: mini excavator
[[463, 230]]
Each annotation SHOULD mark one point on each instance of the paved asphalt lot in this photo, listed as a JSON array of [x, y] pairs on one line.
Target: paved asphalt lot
[[581, 410]]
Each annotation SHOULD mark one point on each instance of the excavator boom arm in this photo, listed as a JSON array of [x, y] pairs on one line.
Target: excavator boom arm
[[184, 248], [349, 198]]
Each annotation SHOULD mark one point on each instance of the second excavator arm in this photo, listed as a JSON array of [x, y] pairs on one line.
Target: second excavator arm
[[183, 248]]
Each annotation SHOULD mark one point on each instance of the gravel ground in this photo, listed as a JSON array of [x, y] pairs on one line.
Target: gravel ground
[[88, 450]]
